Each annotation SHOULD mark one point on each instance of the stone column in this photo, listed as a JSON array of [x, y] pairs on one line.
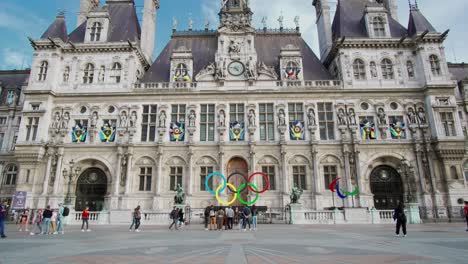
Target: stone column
[[358, 177], [129, 171], [317, 181], [45, 185], [118, 171], [58, 172], [284, 174], [347, 173], [189, 180], [158, 174]]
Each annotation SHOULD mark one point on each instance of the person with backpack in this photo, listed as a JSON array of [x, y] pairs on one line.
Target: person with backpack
[[46, 216], [85, 218], [62, 213], [400, 217], [174, 217], [37, 223], [207, 217], [3, 215], [246, 218], [465, 210]]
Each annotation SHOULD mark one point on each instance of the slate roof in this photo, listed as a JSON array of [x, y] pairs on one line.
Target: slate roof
[[459, 71], [124, 23], [418, 23], [58, 29], [204, 47], [12, 79], [349, 22]]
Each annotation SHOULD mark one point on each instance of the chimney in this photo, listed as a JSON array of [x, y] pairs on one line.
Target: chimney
[[148, 31], [85, 7]]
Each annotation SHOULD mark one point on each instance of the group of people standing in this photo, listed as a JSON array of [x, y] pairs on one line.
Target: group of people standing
[[217, 218], [45, 222]]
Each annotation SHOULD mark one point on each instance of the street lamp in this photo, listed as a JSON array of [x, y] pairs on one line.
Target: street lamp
[[406, 171], [71, 175]]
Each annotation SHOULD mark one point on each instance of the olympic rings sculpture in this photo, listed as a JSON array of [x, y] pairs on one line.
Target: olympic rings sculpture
[[335, 187], [237, 191]]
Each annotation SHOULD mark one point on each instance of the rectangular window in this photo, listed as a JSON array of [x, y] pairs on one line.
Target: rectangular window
[[449, 123], [267, 122], [329, 173], [15, 138], [10, 97], [270, 172], [178, 113], [204, 172], [296, 112], [3, 120], [326, 122], [236, 113], [207, 122], [145, 176], [175, 177], [31, 128], [299, 177], [2, 135], [148, 123]]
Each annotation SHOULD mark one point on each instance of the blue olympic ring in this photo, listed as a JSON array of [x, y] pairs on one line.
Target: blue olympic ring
[[216, 173]]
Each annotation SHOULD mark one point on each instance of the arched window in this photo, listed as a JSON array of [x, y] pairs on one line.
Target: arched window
[[387, 69], [379, 27], [435, 65], [96, 31], [10, 175], [88, 75], [116, 72], [359, 70], [66, 74], [43, 71], [410, 69]]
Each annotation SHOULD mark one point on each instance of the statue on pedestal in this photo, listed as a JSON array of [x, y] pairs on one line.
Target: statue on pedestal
[[179, 198], [295, 195]]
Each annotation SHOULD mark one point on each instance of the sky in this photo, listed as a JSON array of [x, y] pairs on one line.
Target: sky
[[20, 19]]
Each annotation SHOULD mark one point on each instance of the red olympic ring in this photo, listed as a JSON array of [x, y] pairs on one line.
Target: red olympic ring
[[265, 188]]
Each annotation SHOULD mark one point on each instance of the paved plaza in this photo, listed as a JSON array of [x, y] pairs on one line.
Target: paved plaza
[[430, 243]]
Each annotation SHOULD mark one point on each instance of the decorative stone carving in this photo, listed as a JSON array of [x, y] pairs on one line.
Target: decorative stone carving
[[162, 119], [382, 116], [123, 120], [65, 121], [352, 117], [311, 117], [206, 73], [94, 119], [250, 72], [133, 119], [341, 117], [192, 118], [422, 116], [235, 46], [411, 116], [252, 118], [221, 118], [281, 118], [56, 123], [373, 69], [266, 71]]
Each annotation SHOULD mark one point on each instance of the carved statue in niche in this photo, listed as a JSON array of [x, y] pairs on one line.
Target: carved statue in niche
[[123, 171], [422, 116], [65, 120], [251, 117], [133, 119], [382, 116], [281, 118], [411, 116], [222, 118], [311, 116], [373, 69], [251, 71], [56, 122], [94, 119], [341, 117], [352, 117], [123, 120], [192, 118], [162, 119]]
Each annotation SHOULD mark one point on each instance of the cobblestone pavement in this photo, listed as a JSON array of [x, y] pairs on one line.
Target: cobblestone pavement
[[430, 243]]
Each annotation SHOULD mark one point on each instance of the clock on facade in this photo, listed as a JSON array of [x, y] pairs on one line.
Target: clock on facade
[[236, 68]]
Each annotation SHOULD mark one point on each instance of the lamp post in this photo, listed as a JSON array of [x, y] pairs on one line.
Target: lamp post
[[71, 175], [406, 171]]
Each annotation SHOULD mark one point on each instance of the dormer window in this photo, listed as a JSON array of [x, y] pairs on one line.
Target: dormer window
[[292, 71], [378, 24], [116, 72], [387, 69], [66, 74], [435, 65], [359, 69], [43, 71], [88, 75], [181, 73], [10, 97], [96, 30]]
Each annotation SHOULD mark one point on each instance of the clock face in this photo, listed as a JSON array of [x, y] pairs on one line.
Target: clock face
[[236, 68]]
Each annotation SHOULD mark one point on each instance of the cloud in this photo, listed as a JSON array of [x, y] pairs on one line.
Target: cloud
[[17, 19], [13, 59]]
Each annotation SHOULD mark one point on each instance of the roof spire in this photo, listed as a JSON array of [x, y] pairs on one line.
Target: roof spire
[[413, 6], [61, 13]]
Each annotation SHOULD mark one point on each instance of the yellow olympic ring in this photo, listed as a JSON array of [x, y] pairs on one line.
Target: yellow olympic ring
[[233, 199]]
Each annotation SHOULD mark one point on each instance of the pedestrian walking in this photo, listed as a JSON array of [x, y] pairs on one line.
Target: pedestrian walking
[[84, 219], [136, 219], [24, 221], [207, 217], [212, 218], [46, 215], [254, 217], [230, 217], [3, 215], [37, 223], [220, 215], [181, 220], [465, 210], [62, 213], [246, 218], [400, 217], [174, 217], [53, 222]]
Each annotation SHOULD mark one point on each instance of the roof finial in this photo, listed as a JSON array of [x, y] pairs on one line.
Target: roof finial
[[61, 13], [413, 6], [281, 20], [174, 24], [207, 24], [190, 22]]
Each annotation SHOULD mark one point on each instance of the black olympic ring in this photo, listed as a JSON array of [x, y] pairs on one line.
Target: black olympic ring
[[233, 174]]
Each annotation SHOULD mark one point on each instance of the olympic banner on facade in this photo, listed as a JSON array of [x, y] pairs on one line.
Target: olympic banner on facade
[[177, 131], [19, 201], [236, 131], [296, 130]]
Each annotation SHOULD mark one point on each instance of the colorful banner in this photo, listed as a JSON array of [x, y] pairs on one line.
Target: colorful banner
[[107, 133], [236, 131], [177, 131], [19, 201], [367, 130], [79, 133], [397, 129], [296, 130]]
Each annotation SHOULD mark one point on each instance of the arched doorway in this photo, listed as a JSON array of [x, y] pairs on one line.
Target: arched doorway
[[91, 188], [387, 187], [237, 172]]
